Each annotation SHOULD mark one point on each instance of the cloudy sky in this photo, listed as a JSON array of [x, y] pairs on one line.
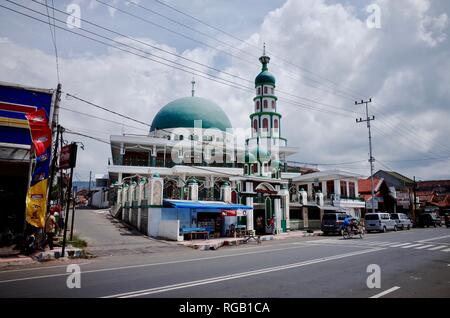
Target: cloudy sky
[[325, 55]]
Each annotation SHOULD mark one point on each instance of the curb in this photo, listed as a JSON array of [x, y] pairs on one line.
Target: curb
[[56, 254]]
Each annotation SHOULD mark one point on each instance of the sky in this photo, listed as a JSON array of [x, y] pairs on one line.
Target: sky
[[325, 55]]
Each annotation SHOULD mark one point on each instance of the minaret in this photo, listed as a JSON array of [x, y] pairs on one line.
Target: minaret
[[265, 120]]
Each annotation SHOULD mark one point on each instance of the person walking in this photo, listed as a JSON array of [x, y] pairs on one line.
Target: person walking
[[50, 229]]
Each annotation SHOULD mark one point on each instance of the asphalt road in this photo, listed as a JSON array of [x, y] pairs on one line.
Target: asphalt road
[[413, 263]]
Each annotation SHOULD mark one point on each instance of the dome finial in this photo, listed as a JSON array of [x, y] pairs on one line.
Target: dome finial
[[264, 59], [193, 86]]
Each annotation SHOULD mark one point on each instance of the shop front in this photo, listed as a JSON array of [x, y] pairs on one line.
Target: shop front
[[211, 219]]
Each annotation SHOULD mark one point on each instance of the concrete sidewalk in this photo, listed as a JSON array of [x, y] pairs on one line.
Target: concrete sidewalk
[[213, 244]]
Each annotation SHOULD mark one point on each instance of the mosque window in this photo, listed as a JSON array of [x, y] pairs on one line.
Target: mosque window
[[275, 124], [265, 90], [255, 168], [271, 91], [259, 90], [265, 103], [255, 125], [273, 104], [257, 104], [265, 124], [181, 137]]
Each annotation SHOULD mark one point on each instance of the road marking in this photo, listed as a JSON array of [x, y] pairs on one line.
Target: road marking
[[446, 250], [157, 264], [437, 248], [411, 245], [162, 289], [433, 238], [390, 243], [422, 247], [398, 245], [390, 290], [38, 268]]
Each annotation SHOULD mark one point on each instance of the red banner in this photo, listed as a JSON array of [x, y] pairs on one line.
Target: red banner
[[41, 134]]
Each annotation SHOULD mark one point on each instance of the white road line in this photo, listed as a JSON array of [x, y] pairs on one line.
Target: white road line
[[162, 289], [398, 245], [411, 245], [446, 250], [379, 243], [157, 264], [391, 243], [437, 248], [390, 290], [422, 247], [434, 238], [388, 243], [38, 268]]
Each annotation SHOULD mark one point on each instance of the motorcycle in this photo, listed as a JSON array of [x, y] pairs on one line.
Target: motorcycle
[[349, 232]]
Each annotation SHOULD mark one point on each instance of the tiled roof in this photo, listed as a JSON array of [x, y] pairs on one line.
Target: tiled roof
[[365, 185]]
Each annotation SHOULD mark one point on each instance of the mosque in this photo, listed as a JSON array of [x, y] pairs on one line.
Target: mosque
[[192, 154]]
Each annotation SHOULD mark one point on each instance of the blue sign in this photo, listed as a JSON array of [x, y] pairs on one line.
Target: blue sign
[[15, 102]]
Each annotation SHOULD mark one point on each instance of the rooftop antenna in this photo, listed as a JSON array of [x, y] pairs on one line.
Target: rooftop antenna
[[264, 49], [193, 86]]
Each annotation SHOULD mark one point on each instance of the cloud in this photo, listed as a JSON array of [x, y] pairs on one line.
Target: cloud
[[404, 67]]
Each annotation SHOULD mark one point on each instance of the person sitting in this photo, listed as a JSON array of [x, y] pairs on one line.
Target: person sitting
[[346, 223]]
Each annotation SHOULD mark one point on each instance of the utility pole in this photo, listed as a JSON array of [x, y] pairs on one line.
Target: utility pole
[[415, 200], [371, 158], [90, 177]]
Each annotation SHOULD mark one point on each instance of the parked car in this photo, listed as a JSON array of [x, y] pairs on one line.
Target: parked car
[[380, 222], [429, 219], [402, 220], [331, 222]]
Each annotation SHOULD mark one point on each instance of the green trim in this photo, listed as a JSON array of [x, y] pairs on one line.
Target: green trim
[[268, 138], [262, 96], [265, 113]]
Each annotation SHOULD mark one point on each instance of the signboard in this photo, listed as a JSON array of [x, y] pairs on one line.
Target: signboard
[[369, 204], [68, 156], [403, 199], [17, 101]]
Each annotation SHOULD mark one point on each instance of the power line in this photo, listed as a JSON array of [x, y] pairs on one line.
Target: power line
[[286, 100], [248, 43], [108, 110], [213, 68], [302, 68], [53, 37], [207, 76], [100, 118]]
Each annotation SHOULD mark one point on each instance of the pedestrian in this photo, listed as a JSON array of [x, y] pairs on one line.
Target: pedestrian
[[259, 225], [50, 229]]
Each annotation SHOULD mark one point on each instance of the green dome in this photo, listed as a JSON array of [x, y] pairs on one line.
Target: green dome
[[182, 112], [265, 77]]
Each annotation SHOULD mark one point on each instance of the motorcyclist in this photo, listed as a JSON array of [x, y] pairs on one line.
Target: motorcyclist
[[346, 223]]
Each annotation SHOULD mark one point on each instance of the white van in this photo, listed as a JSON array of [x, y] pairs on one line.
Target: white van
[[381, 222]]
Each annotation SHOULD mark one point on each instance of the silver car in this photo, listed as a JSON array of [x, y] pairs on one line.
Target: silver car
[[402, 220], [380, 222]]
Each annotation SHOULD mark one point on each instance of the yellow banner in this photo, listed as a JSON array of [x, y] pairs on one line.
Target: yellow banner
[[37, 204]]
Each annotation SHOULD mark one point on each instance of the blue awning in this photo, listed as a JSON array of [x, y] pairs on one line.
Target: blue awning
[[212, 205]]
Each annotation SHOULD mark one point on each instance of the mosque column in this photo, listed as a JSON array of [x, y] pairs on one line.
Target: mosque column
[[249, 202], [277, 210]]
